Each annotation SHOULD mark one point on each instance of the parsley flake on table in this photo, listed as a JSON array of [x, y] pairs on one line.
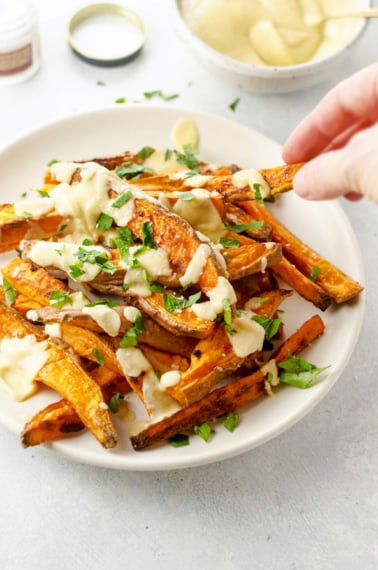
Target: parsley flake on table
[[159, 93], [234, 104]]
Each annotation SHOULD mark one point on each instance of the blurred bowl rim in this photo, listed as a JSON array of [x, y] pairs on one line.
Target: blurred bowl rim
[[265, 71]]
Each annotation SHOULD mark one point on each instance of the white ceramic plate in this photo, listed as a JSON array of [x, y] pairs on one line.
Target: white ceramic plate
[[324, 226]]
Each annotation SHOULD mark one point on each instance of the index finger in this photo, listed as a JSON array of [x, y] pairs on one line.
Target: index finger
[[347, 108]]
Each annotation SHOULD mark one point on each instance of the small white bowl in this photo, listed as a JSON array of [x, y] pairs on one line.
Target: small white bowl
[[268, 79]]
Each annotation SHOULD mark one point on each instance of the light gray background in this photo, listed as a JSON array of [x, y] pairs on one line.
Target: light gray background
[[306, 500]]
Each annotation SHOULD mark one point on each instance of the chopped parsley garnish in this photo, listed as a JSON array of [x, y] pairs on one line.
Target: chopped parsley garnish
[[232, 421], [104, 222], [234, 104], [98, 356], [114, 402], [94, 257], [122, 199], [147, 235], [229, 243], [205, 431], [87, 241], [41, 192], [27, 214], [123, 242], [9, 292], [129, 170], [315, 273], [59, 298], [188, 158], [240, 228], [173, 303], [145, 152], [100, 83], [167, 155], [299, 372], [130, 338], [258, 196], [156, 287], [270, 326], [227, 316], [76, 271], [52, 162], [120, 100], [108, 302], [179, 440], [186, 196], [159, 93]]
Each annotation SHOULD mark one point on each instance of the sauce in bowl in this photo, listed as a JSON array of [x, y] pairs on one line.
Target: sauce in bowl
[[270, 32]]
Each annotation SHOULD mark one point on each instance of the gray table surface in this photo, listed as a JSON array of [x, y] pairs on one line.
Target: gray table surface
[[305, 500]]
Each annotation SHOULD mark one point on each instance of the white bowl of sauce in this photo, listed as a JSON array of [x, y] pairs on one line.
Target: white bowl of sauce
[[270, 45]]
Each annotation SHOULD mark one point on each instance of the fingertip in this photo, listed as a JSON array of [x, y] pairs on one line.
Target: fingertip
[[300, 185]]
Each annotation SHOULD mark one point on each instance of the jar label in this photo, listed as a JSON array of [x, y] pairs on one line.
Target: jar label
[[16, 61]]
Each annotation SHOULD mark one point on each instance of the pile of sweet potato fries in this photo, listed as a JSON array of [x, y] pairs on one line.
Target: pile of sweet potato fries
[[186, 363]]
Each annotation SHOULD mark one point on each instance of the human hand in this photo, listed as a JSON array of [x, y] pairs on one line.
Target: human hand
[[338, 141]]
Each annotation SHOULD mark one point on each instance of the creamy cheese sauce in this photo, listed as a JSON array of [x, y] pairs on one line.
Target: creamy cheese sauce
[[154, 261], [34, 208], [131, 313], [250, 177], [54, 330], [185, 131], [195, 266], [201, 214], [270, 32], [20, 361], [208, 310], [248, 336], [105, 317], [63, 256], [158, 402]]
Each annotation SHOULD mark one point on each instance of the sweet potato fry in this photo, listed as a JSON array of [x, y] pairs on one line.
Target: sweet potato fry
[[60, 419], [333, 281], [237, 216], [14, 228], [35, 283], [179, 239], [213, 358], [304, 286], [228, 398], [280, 178], [250, 257], [63, 374], [56, 420]]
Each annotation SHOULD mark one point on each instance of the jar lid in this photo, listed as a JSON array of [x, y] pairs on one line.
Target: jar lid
[[106, 34]]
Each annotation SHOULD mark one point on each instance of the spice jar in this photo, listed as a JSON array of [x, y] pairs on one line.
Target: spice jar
[[19, 41]]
